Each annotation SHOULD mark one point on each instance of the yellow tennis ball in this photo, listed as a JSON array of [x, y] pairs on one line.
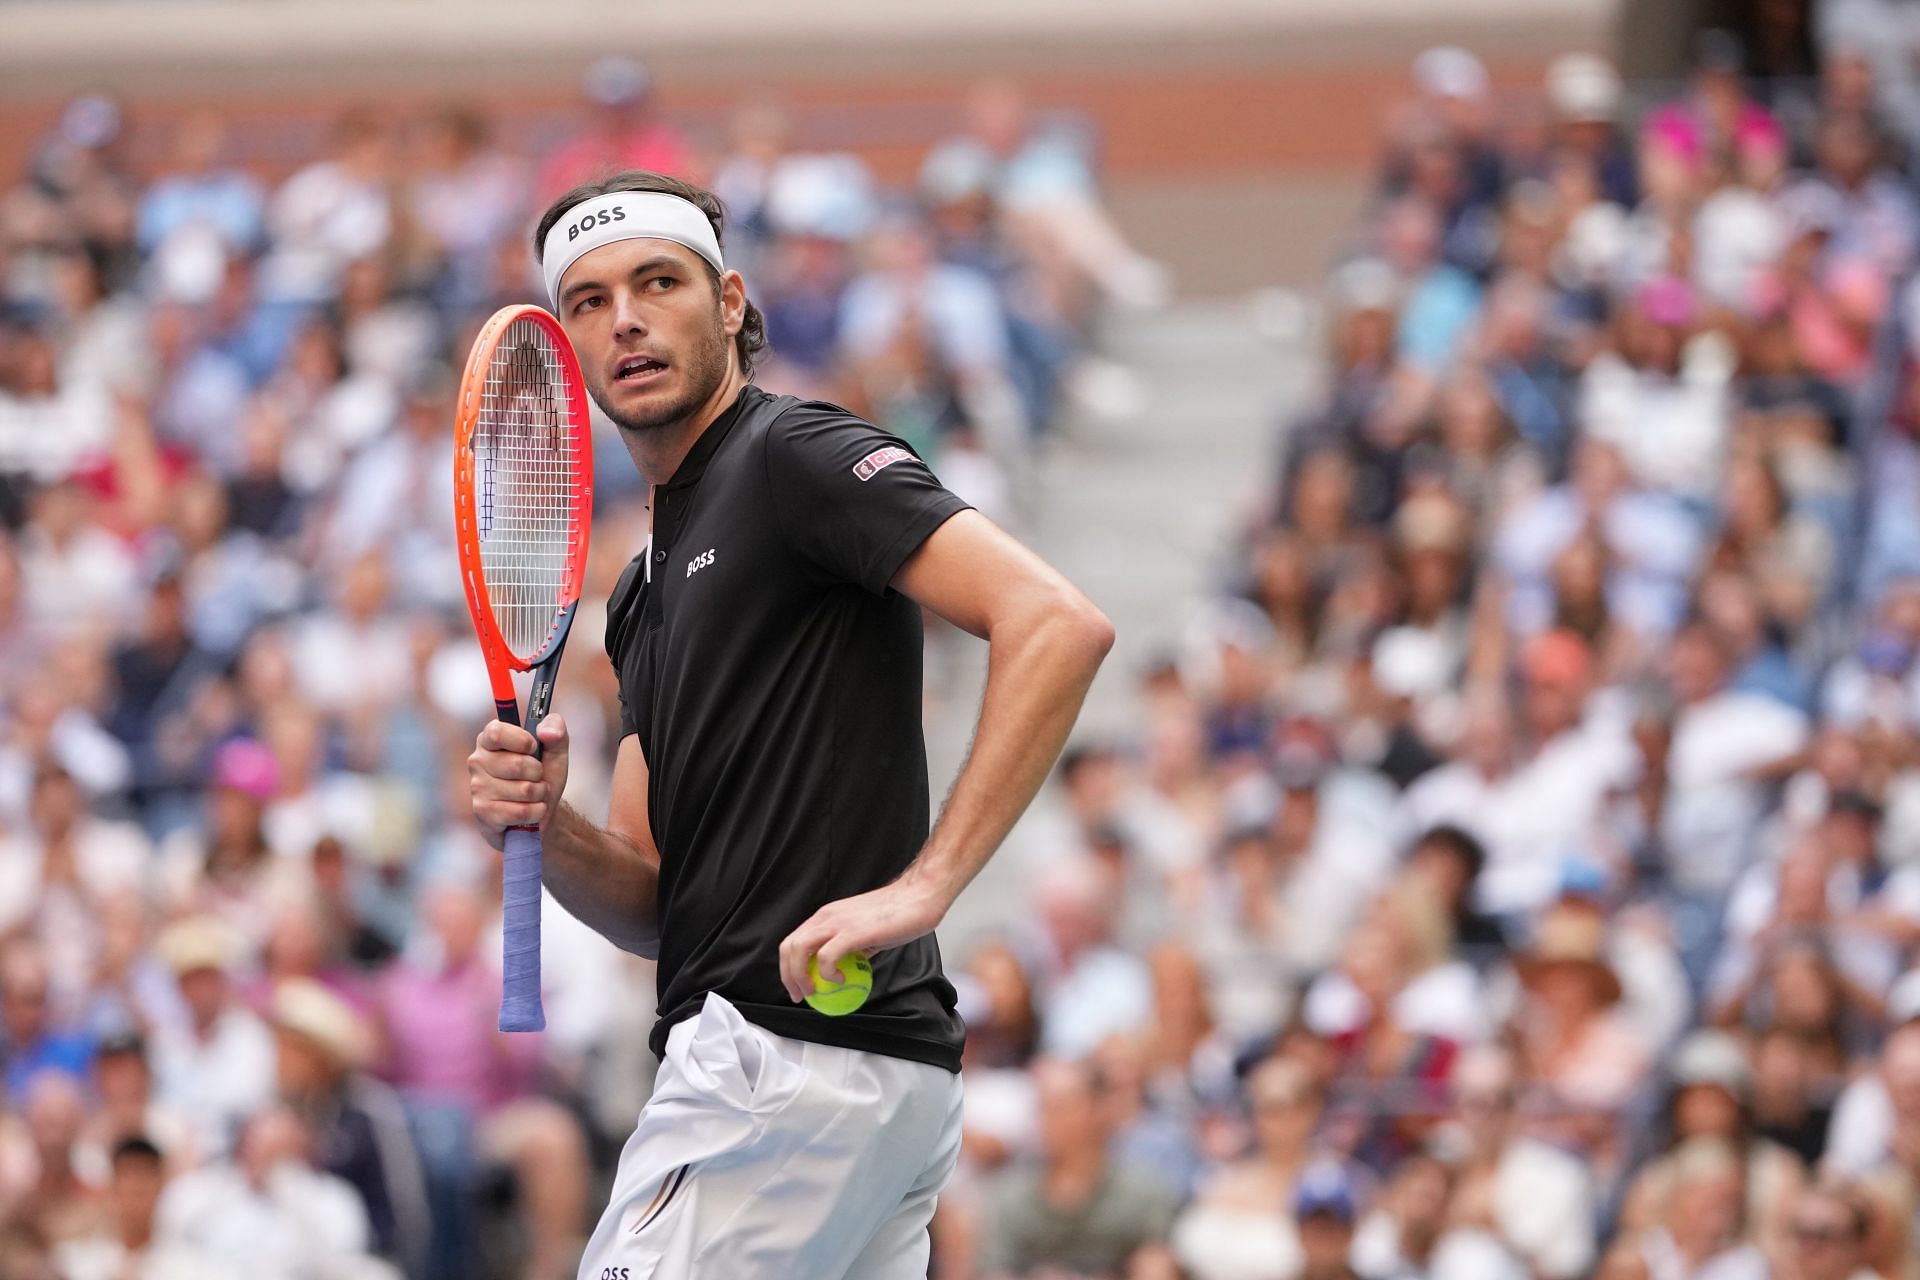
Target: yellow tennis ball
[[838, 998]]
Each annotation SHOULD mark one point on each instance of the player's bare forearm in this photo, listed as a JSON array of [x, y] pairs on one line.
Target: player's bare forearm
[[1038, 672], [1046, 641], [607, 877], [605, 880]]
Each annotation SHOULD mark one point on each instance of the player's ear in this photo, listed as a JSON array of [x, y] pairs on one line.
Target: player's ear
[[733, 302]]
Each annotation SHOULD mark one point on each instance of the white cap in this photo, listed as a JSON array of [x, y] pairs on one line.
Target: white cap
[[1363, 284], [1583, 87], [1715, 1058], [1410, 663], [1448, 71]]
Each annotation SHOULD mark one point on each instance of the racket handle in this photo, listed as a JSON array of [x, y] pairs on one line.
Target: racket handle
[[520, 960]]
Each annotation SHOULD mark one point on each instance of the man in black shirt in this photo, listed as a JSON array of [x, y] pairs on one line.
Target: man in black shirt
[[770, 796]]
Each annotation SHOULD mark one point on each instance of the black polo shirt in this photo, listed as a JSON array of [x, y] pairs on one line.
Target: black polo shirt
[[774, 680]]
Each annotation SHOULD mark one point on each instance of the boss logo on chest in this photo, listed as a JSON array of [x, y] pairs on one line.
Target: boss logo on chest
[[700, 562]]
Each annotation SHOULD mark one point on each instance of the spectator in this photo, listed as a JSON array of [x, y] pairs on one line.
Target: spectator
[[1662, 395], [77, 574], [330, 214], [36, 1042], [1701, 1229], [1864, 1115], [1792, 1098], [1040, 178], [201, 195], [266, 1211], [217, 865], [60, 1205], [1740, 230], [1440, 299], [622, 131], [1584, 1054], [1868, 1141], [1239, 1224], [1585, 93], [215, 1066], [1092, 988], [467, 195], [1448, 862], [127, 1246], [470, 1090], [1529, 1193], [50, 425], [1712, 1084], [1829, 1232], [1452, 113], [1405, 1013], [1400, 1235], [1150, 1119], [129, 1111], [1324, 1211], [929, 339], [1074, 1212], [1725, 744], [1876, 221], [356, 1129], [1652, 544]]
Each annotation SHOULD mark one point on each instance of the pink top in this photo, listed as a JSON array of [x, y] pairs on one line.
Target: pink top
[[443, 1032], [595, 154]]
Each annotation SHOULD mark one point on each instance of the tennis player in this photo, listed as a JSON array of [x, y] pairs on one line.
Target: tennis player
[[770, 795]]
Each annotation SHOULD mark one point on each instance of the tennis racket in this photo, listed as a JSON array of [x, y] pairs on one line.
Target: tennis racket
[[523, 498]]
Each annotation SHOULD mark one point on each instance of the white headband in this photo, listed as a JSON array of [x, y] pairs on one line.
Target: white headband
[[624, 215]]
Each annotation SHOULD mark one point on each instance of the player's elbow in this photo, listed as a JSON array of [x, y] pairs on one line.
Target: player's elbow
[[1099, 633], [1086, 634], [1047, 618]]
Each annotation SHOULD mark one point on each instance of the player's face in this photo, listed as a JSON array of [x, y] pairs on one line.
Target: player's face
[[653, 332]]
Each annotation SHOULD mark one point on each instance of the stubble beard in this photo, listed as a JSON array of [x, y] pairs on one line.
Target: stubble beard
[[705, 368]]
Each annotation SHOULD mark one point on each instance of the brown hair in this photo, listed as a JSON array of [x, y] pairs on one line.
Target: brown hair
[[752, 338]]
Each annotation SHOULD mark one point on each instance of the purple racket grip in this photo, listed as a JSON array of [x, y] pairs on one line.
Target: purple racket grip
[[520, 959]]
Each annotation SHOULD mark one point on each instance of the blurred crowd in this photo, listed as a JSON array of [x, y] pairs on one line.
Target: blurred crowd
[[248, 934], [1513, 873]]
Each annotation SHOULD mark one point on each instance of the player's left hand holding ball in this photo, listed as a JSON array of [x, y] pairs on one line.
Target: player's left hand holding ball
[[870, 922]]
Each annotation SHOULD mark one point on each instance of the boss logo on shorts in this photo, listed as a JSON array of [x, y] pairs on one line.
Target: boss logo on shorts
[[879, 460], [700, 562], [600, 219]]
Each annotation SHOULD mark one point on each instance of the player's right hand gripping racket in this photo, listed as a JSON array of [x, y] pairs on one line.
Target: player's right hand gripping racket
[[523, 498]]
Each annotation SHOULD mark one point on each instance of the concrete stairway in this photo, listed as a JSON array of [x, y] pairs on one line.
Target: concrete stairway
[[1140, 511]]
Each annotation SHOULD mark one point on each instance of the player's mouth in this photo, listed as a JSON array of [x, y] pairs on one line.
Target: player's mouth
[[634, 371]]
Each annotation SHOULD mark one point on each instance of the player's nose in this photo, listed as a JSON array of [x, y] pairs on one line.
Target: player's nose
[[629, 316]]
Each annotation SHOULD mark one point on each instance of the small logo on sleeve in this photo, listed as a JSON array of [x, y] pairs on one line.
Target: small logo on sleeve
[[879, 460]]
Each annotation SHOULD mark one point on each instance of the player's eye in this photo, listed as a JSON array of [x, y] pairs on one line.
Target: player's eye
[[587, 303], [663, 283]]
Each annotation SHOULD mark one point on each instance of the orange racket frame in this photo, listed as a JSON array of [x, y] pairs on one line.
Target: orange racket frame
[[520, 1003], [502, 662]]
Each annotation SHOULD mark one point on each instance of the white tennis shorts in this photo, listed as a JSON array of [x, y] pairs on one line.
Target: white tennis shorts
[[761, 1156]]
